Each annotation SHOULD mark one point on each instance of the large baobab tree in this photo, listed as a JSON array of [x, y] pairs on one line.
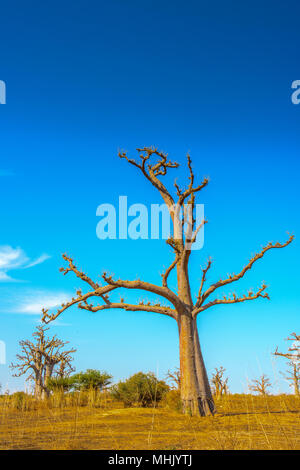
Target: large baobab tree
[[40, 357], [293, 356], [195, 389]]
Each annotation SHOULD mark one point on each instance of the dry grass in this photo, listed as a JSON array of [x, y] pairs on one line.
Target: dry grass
[[242, 422]]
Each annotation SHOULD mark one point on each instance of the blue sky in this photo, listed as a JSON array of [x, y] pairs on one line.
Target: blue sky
[[86, 78]]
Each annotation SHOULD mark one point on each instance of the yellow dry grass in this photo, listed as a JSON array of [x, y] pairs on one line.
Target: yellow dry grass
[[242, 422]]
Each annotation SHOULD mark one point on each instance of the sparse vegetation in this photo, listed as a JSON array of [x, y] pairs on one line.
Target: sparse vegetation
[[242, 422], [84, 411]]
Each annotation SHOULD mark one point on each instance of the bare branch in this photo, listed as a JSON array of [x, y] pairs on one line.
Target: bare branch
[[131, 307], [78, 273], [236, 277], [165, 275], [100, 292], [191, 190], [233, 300], [204, 272], [138, 284], [293, 353], [152, 171]]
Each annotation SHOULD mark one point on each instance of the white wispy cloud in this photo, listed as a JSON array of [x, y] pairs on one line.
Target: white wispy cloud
[[39, 260], [34, 302], [16, 258], [4, 277]]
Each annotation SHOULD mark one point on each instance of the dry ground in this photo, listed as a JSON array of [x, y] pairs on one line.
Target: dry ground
[[242, 422]]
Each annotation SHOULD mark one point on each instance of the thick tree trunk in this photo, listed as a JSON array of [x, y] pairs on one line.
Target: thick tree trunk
[[189, 388], [207, 401], [195, 390]]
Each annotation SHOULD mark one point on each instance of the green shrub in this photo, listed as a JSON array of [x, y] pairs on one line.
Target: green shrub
[[140, 389], [63, 384], [90, 380]]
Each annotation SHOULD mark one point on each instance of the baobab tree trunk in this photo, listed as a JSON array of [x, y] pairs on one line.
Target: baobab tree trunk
[[195, 390], [48, 375], [189, 388], [38, 387], [207, 405]]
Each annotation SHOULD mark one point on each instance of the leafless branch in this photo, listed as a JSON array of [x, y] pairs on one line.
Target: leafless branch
[[236, 277], [233, 300], [157, 308]]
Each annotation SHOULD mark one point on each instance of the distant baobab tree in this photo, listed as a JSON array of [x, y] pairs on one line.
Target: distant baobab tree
[[40, 357], [260, 385], [219, 382], [195, 390], [293, 355]]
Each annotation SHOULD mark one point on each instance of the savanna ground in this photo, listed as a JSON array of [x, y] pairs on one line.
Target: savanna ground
[[242, 422]]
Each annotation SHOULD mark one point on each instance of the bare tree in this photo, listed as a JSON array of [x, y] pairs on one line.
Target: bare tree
[[39, 358], [195, 389], [64, 367], [174, 378], [56, 357], [293, 355], [219, 383], [260, 385]]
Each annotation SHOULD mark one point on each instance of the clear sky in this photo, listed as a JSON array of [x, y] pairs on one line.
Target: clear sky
[[212, 78]]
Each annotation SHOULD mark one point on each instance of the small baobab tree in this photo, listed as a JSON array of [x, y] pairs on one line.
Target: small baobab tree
[[219, 382], [293, 356], [179, 304], [56, 357], [260, 385], [40, 357]]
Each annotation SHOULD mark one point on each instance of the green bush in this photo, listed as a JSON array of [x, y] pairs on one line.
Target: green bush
[[63, 384], [140, 389], [90, 380], [83, 381]]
